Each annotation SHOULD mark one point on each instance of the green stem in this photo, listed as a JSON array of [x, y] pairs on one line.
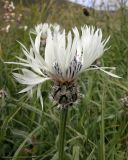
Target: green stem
[[102, 135], [62, 128]]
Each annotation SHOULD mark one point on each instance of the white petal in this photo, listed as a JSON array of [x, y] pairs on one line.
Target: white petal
[[49, 51], [61, 51], [29, 78], [72, 52], [28, 88], [22, 64], [109, 73], [92, 44], [103, 69]]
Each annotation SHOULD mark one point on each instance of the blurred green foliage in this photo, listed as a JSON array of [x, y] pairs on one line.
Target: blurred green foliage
[[29, 133]]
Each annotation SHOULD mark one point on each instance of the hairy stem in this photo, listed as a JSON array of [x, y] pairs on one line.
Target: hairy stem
[[102, 146], [62, 128]]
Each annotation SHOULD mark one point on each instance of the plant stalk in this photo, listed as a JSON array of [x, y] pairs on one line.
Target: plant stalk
[[102, 135], [62, 128]]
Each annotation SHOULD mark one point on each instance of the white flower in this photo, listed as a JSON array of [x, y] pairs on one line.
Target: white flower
[[43, 28], [11, 5], [65, 57]]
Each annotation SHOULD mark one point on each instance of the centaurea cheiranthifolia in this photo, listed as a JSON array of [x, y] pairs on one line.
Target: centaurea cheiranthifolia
[[42, 29], [65, 57]]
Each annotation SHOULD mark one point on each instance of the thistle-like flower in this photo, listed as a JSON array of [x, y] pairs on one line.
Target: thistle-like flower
[[65, 57], [43, 30]]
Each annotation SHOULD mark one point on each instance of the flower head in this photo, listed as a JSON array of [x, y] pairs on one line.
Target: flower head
[[65, 57], [42, 30]]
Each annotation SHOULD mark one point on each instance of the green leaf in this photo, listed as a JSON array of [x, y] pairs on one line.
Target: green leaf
[[76, 152]]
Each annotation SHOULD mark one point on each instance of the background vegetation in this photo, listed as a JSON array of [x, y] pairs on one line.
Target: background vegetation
[[98, 122]]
